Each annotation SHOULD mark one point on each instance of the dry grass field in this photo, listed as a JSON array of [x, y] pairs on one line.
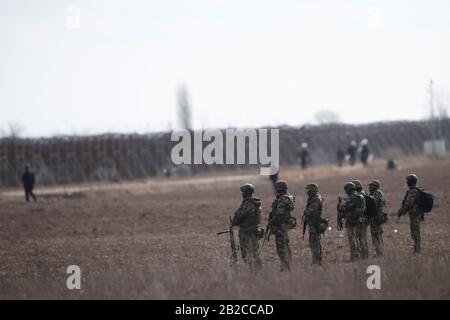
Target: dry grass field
[[157, 240]]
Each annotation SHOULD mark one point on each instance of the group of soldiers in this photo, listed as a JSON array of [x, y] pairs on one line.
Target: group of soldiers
[[352, 214]]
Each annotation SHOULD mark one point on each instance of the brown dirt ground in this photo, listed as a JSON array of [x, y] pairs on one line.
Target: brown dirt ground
[[157, 240]]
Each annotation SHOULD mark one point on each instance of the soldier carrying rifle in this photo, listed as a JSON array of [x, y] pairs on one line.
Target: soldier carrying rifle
[[281, 221], [312, 217], [248, 218]]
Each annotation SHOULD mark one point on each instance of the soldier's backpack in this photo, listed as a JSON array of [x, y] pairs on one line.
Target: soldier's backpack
[[352, 217], [371, 206], [382, 218], [289, 220], [425, 201]]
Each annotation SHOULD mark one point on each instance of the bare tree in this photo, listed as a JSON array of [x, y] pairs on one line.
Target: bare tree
[[326, 116], [184, 108], [15, 130]]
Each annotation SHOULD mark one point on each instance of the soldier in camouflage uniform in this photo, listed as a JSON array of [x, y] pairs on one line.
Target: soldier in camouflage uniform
[[376, 229], [248, 218], [352, 208], [281, 220], [410, 206], [362, 225], [312, 216]]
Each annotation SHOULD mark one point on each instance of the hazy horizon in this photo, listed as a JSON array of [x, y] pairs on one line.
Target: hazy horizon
[[5, 133], [245, 63]]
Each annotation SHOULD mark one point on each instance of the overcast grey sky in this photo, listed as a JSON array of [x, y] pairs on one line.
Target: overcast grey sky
[[245, 63]]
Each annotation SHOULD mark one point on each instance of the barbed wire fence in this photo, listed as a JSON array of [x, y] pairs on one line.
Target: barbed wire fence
[[118, 157]]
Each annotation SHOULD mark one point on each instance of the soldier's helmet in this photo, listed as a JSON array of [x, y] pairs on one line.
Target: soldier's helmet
[[349, 187], [281, 185], [313, 187], [411, 179], [375, 183], [357, 184], [248, 187]]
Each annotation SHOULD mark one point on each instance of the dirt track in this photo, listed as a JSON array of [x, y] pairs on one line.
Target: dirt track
[[157, 240]]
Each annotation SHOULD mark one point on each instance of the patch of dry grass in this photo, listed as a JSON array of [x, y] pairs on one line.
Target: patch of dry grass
[[139, 241]]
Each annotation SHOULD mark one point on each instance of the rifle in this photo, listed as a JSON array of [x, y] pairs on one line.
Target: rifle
[[268, 230], [267, 235], [305, 223], [340, 218], [233, 254], [403, 205]]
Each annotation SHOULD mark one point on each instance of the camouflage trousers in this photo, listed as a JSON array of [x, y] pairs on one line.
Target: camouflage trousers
[[314, 244], [283, 249], [352, 237], [414, 226], [249, 244], [361, 232], [376, 231]]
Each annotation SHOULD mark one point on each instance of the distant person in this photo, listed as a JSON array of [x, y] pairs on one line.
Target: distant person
[[312, 216], [364, 156], [340, 156], [361, 227], [391, 164], [411, 206], [274, 179], [351, 151], [248, 218], [376, 229], [303, 155], [350, 210], [28, 181], [281, 221]]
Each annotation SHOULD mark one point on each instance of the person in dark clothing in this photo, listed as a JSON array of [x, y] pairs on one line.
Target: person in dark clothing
[[303, 156], [274, 179], [391, 164], [28, 181], [340, 155], [364, 152], [351, 151]]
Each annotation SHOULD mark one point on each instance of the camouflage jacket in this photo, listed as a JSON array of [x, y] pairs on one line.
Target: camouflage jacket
[[379, 199], [353, 208], [248, 216], [313, 211], [364, 194], [282, 207], [409, 204]]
